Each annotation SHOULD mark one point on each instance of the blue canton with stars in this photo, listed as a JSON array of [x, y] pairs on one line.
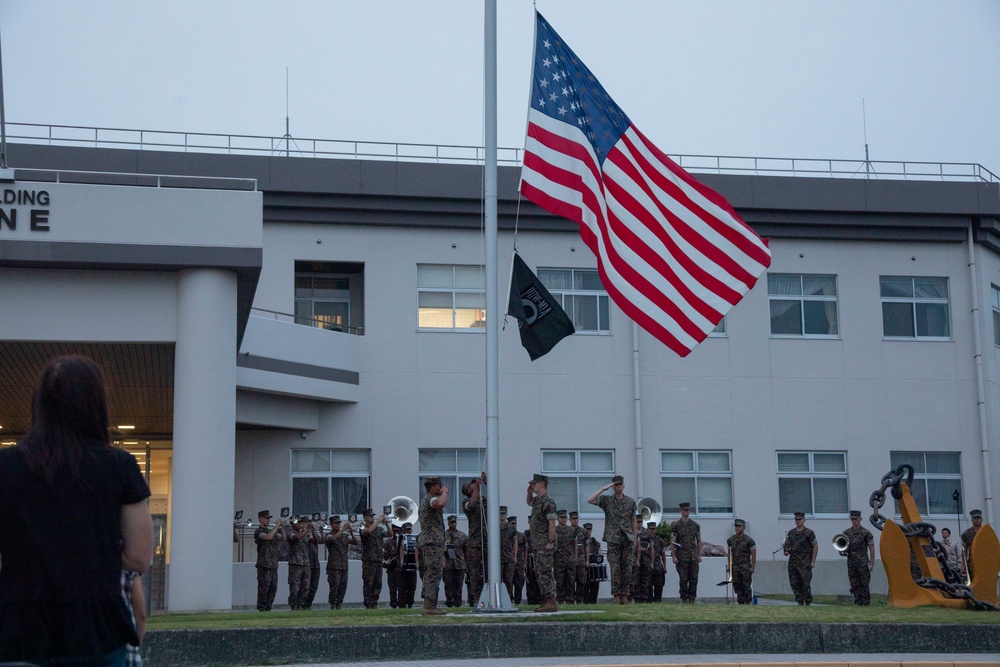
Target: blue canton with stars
[[566, 90]]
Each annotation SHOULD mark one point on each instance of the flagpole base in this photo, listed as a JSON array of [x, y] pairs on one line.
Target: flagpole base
[[494, 600]]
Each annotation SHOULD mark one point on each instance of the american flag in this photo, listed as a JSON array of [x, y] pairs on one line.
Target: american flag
[[672, 253]]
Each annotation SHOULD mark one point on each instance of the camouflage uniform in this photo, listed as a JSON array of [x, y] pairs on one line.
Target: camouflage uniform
[[475, 554], [313, 570], [858, 541], [740, 546], [519, 568], [298, 571], [454, 566], [371, 565], [543, 509], [336, 568], [644, 585], [508, 540], [580, 590], [267, 567], [968, 535], [431, 544], [799, 544], [658, 573], [407, 577], [390, 561], [686, 534], [593, 585], [618, 517], [565, 562], [532, 593]]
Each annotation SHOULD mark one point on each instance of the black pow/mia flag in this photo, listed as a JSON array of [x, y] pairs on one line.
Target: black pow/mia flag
[[541, 320]]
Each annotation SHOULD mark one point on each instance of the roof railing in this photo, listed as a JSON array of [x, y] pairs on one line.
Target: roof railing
[[246, 144]]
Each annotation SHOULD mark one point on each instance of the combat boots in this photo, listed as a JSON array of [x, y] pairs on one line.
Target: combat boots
[[431, 608], [548, 606]]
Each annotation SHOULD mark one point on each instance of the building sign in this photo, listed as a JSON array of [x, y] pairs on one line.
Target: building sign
[[28, 209]]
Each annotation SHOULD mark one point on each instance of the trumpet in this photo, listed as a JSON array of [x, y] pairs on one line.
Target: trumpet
[[840, 543]]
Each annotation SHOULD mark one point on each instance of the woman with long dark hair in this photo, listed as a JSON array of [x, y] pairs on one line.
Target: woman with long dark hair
[[75, 512]]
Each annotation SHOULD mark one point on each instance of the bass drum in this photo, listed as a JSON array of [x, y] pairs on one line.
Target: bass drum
[[410, 552], [597, 572]]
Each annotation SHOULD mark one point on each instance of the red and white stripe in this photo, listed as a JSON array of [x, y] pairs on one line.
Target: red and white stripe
[[672, 253]]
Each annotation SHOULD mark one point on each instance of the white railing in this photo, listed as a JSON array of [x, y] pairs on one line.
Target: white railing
[[245, 144]]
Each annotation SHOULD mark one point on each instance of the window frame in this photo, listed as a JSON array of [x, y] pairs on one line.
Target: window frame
[[453, 479], [812, 475], [696, 474], [453, 291], [802, 299], [330, 475], [603, 477], [599, 296], [995, 295], [915, 301], [925, 477]]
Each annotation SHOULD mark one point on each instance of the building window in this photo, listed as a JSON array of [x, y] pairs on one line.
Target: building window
[[455, 467], [802, 304], [995, 294], [937, 476], [575, 474], [720, 329], [330, 295], [914, 307], [335, 481], [702, 478], [812, 482], [582, 296], [451, 298]]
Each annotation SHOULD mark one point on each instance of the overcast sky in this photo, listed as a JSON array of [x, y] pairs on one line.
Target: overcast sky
[[774, 78]]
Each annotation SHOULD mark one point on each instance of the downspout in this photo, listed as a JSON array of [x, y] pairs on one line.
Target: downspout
[[637, 393], [980, 382]]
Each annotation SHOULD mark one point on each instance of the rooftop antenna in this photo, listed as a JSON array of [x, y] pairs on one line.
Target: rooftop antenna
[[287, 138], [864, 122], [6, 174]]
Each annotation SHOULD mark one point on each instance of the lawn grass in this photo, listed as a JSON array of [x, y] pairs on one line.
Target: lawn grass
[[824, 610]]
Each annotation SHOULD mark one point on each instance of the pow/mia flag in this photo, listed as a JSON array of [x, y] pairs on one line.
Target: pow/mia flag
[[540, 319]]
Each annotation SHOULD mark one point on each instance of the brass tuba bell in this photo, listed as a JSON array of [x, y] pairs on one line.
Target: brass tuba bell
[[401, 510], [649, 510], [840, 543]]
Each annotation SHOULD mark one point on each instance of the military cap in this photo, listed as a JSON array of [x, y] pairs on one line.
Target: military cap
[[266, 513], [467, 488], [588, 525], [739, 522], [800, 515], [976, 514], [574, 515], [512, 519], [335, 518], [651, 524], [452, 517], [617, 478], [540, 478], [684, 506], [368, 512], [406, 525], [431, 481], [561, 513], [305, 518], [503, 509], [855, 514]]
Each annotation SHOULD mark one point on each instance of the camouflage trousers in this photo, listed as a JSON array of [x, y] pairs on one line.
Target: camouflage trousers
[[371, 582], [860, 577], [517, 585], [338, 587], [507, 568], [267, 586], [431, 562], [644, 586], [565, 581], [800, 579], [474, 559], [298, 586], [580, 590], [392, 582], [621, 558], [687, 574], [454, 581], [657, 578], [313, 586], [407, 587], [743, 585], [544, 574]]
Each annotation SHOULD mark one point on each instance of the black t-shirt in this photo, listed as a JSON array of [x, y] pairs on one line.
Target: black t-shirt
[[60, 591]]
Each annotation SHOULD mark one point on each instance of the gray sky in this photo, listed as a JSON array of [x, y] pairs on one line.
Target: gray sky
[[767, 78]]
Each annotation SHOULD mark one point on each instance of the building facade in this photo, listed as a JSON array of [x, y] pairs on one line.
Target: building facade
[[308, 333]]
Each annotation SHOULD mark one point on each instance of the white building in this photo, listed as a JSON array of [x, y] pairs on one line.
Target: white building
[[306, 332]]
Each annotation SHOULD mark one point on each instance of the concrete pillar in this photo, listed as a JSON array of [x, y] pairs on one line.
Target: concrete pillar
[[201, 551]]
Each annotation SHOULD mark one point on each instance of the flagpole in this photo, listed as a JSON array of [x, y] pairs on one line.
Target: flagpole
[[495, 596]]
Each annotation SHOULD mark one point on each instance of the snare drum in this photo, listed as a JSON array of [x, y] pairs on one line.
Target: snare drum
[[597, 572]]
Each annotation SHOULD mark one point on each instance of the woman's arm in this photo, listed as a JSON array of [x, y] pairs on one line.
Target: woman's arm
[[137, 536]]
